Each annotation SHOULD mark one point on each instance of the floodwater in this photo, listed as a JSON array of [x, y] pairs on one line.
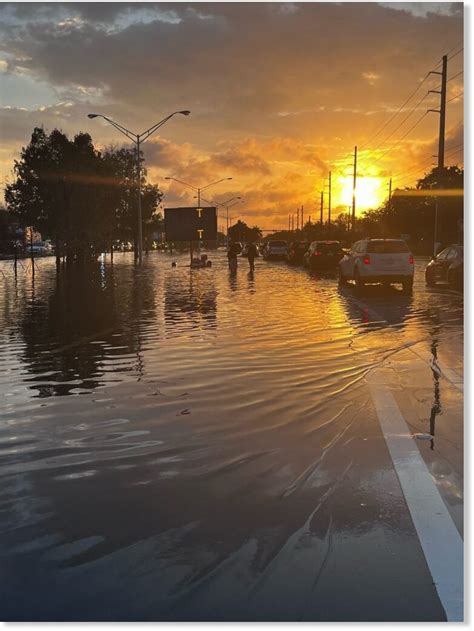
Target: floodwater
[[182, 444]]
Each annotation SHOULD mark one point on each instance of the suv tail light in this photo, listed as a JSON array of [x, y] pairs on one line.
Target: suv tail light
[[316, 253], [366, 260], [411, 260]]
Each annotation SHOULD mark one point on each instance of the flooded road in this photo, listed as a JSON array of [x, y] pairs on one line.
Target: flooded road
[[182, 444]]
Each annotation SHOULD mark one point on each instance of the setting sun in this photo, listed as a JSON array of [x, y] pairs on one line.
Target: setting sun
[[370, 192]]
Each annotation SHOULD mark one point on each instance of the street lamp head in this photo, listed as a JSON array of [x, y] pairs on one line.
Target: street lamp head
[[92, 115], [185, 112]]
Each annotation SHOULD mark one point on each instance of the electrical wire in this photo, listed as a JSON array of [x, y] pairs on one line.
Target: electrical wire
[[461, 144], [455, 54], [452, 153], [456, 75], [400, 139], [397, 112], [413, 109], [454, 97], [412, 94]]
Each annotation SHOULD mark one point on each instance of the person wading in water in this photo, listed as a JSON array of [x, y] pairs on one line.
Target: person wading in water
[[251, 254], [232, 253]]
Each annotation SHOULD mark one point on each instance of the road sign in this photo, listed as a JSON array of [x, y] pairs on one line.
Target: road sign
[[191, 223]]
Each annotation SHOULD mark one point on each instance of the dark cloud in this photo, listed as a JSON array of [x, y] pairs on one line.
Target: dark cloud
[[278, 91]]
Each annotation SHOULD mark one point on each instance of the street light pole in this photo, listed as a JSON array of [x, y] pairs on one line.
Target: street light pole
[[199, 189], [137, 139], [139, 188], [227, 204]]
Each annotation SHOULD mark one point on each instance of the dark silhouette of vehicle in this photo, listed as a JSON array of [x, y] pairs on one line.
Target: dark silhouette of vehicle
[[323, 255], [378, 261], [275, 250], [447, 267], [296, 252]]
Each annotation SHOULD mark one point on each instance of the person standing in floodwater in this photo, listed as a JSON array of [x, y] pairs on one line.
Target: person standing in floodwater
[[251, 254], [232, 253]]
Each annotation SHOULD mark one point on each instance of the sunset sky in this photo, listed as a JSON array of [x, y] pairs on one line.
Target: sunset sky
[[279, 93]]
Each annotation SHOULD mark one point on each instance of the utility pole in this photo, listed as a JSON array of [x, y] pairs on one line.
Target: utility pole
[[289, 222], [321, 209], [442, 113], [354, 189], [302, 218], [442, 131], [390, 190], [329, 200]]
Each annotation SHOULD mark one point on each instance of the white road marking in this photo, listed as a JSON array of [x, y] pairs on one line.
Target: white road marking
[[439, 538]]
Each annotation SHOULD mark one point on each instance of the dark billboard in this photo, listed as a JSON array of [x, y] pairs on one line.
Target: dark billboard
[[191, 224]]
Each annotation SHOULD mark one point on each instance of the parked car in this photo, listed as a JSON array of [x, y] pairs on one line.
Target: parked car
[[275, 250], [39, 247], [447, 267], [323, 255], [296, 252], [378, 261]]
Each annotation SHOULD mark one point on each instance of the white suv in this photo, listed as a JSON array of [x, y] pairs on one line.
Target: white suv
[[277, 250], [378, 261]]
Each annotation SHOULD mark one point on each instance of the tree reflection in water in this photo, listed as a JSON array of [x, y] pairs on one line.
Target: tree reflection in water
[[84, 319]]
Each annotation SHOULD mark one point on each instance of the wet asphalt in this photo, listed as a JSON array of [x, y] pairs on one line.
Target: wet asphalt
[[182, 444]]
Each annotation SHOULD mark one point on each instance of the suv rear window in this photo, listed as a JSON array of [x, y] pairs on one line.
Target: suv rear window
[[277, 244], [387, 247]]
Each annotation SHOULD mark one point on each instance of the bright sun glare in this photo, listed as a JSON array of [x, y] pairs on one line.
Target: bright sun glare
[[370, 192]]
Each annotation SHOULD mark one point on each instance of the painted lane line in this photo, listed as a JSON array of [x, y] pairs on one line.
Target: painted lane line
[[439, 538]]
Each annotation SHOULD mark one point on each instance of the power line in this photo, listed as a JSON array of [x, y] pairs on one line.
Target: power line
[[461, 144], [452, 153], [413, 170], [400, 139], [412, 94], [448, 53], [455, 97], [413, 109], [420, 167], [456, 75], [454, 47], [457, 149], [397, 112], [455, 54]]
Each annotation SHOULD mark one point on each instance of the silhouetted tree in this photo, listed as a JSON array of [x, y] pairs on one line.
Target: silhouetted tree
[[412, 213], [240, 231], [81, 199]]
